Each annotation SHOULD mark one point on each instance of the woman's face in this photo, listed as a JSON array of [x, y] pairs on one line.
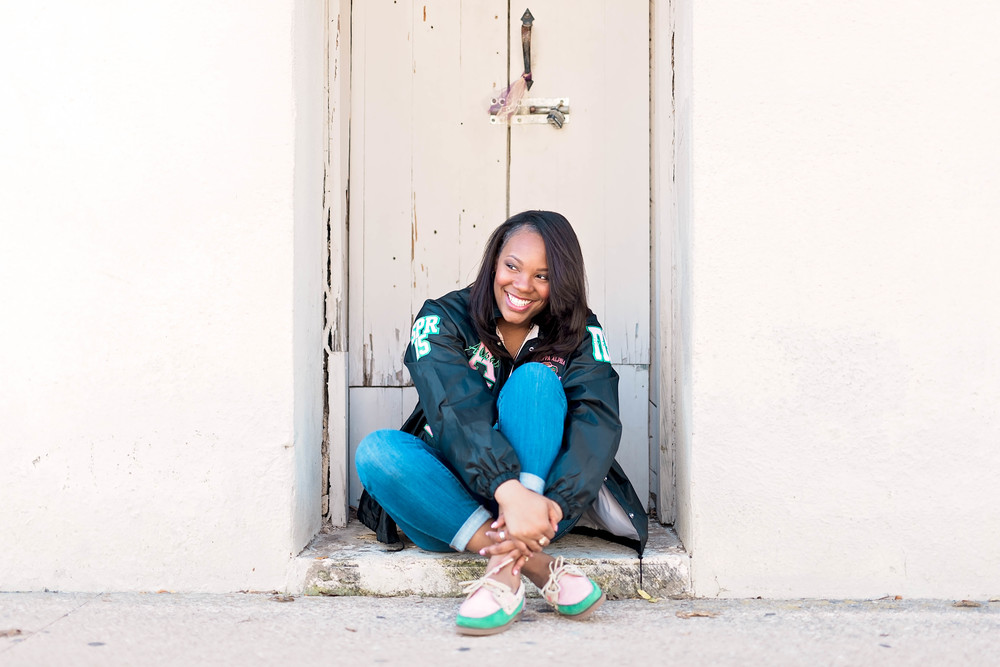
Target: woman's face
[[521, 285]]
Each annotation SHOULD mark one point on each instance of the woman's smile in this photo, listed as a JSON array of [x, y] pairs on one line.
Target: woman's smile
[[517, 303]]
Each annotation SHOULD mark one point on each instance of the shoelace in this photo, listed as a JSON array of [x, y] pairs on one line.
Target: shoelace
[[558, 568], [505, 597]]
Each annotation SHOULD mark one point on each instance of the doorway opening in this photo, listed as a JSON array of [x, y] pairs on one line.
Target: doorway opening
[[418, 177]]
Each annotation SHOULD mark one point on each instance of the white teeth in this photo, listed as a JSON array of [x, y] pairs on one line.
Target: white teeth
[[520, 303]]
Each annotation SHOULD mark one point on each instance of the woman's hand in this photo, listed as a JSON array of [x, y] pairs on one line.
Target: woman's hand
[[528, 517], [505, 545]]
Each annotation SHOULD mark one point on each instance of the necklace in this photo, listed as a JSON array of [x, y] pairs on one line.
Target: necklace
[[523, 333]]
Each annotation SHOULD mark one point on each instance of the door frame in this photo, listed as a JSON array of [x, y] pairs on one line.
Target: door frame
[[664, 269], [336, 189]]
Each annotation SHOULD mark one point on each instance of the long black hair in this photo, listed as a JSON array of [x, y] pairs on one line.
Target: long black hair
[[565, 316]]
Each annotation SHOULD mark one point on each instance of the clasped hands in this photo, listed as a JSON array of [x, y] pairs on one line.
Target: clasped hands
[[526, 524]]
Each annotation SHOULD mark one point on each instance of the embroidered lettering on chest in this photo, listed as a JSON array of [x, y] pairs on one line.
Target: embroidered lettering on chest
[[599, 344], [557, 364], [422, 328], [481, 360]]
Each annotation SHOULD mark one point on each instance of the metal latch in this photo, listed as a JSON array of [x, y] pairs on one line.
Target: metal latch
[[535, 111], [511, 107]]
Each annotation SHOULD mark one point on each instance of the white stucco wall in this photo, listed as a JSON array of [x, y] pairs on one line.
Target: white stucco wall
[[842, 427], [161, 279]]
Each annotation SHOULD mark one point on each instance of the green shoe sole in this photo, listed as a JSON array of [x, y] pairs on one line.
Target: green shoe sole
[[584, 607], [493, 624]]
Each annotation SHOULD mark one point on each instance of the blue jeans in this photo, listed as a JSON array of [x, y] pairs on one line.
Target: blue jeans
[[420, 490]]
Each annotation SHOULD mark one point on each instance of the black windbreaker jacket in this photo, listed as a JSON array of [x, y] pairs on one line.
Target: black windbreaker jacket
[[458, 382]]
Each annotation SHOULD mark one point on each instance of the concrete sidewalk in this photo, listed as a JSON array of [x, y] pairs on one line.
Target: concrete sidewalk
[[260, 629]]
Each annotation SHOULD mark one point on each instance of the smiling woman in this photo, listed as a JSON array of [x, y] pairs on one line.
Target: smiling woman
[[513, 440]]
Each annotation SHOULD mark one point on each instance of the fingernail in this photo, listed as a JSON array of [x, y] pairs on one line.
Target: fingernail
[[493, 525], [482, 552]]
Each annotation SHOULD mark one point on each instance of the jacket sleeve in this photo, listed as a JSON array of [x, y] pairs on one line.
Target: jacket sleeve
[[593, 428], [457, 403]]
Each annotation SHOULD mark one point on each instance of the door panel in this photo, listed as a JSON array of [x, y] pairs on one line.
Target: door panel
[[371, 409], [595, 170], [633, 453], [380, 196], [428, 172]]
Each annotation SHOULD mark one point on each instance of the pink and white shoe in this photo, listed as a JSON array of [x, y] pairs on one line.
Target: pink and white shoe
[[491, 607], [558, 586]]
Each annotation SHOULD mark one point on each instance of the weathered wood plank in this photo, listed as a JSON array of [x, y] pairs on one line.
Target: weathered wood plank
[[338, 438], [371, 408], [436, 118], [459, 160], [356, 195], [625, 178], [633, 453], [381, 249], [664, 221], [335, 342], [482, 178]]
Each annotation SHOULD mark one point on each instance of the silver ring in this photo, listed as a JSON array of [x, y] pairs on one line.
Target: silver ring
[[503, 535]]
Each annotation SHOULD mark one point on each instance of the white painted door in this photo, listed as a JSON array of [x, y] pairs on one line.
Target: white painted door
[[431, 177]]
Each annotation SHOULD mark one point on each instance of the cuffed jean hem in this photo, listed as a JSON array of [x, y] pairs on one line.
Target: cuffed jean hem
[[469, 528], [532, 482]]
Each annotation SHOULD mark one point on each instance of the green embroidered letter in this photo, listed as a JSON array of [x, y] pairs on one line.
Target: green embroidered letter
[[600, 345], [422, 328]]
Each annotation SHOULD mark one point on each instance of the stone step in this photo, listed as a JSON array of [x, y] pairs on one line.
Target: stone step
[[350, 561]]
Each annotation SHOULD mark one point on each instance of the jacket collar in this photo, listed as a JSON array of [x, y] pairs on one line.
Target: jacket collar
[[497, 315]]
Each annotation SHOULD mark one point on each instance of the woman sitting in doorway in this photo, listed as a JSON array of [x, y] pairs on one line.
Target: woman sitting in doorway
[[513, 440]]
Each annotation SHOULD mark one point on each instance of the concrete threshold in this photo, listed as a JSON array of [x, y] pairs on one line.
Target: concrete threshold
[[350, 561]]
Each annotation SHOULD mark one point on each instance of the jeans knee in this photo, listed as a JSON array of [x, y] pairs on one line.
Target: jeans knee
[[369, 456], [539, 381]]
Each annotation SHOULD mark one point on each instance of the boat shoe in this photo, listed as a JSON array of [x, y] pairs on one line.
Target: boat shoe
[[550, 591], [511, 605]]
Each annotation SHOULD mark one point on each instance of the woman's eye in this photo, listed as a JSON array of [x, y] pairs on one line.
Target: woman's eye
[[543, 276], [511, 267]]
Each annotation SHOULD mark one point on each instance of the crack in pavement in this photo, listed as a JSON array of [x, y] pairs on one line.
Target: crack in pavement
[[27, 635]]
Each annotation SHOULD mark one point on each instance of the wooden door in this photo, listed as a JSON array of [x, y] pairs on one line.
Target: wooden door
[[431, 177]]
